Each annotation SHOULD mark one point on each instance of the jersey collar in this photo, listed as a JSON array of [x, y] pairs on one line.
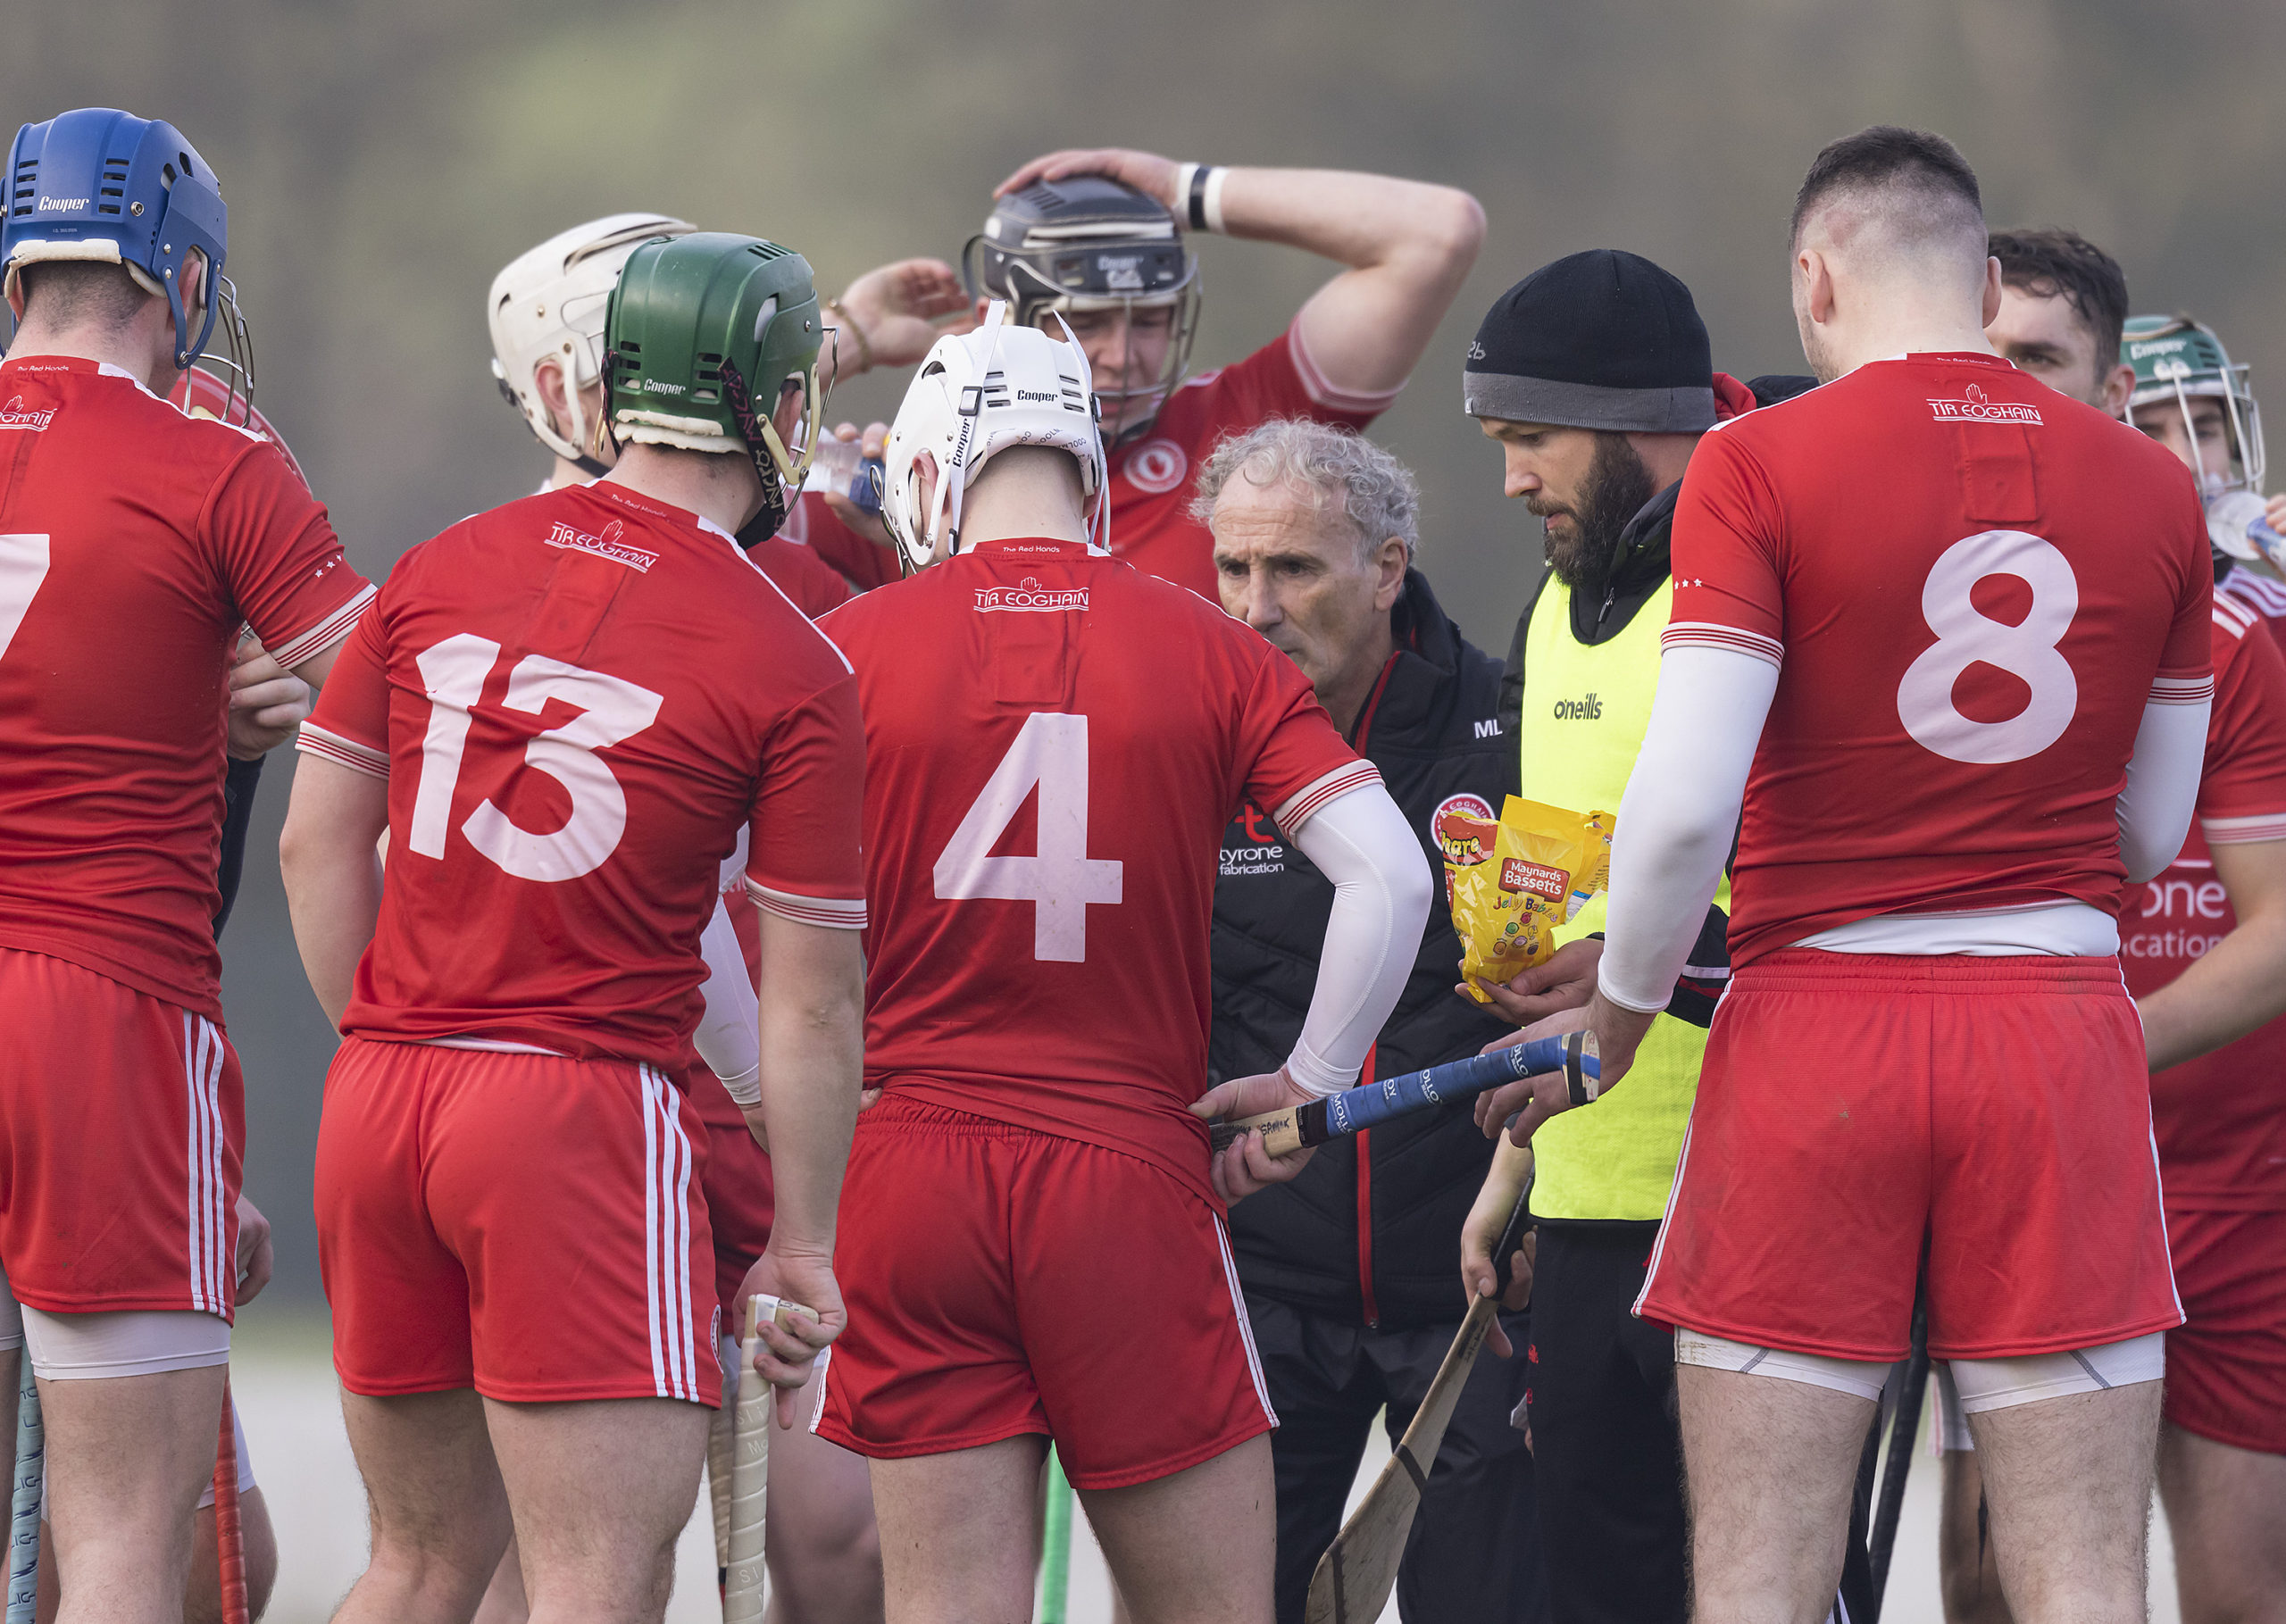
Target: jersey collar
[[1035, 547]]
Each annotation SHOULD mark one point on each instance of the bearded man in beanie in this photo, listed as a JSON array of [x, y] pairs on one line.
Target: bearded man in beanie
[[1594, 375]]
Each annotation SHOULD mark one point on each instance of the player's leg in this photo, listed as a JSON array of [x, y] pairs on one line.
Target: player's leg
[[2069, 1483], [1189, 1548], [601, 1492], [258, 1540], [2226, 1509], [824, 1549], [1968, 1572], [504, 1601], [960, 1531], [1327, 1393], [438, 1514], [1770, 1464]]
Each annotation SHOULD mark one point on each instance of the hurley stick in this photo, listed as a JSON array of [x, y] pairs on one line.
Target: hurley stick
[[229, 1535], [742, 1591]]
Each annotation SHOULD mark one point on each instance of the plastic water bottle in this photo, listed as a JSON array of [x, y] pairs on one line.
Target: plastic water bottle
[[839, 467]]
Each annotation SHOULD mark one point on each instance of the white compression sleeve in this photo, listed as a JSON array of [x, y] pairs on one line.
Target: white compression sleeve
[[2162, 787], [1381, 892], [729, 1038], [1678, 816]]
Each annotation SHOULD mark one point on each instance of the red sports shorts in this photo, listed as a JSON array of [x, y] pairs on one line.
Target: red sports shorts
[[1001, 1281], [1854, 1109], [123, 1119], [738, 1201], [2226, 1364], [524, 1224]]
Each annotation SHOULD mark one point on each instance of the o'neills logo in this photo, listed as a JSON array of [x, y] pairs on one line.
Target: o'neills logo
[[16, 414], [1590, 709], [1516, 874], [608, 545], [1029, 598], [1977, 407]]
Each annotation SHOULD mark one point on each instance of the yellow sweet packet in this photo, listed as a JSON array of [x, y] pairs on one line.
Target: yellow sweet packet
[[1545, 862]]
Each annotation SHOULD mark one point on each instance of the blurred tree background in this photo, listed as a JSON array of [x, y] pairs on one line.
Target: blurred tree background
[[383, 162]]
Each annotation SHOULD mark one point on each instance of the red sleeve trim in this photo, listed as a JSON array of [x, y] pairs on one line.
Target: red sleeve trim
[[831, 913], [325, 634], [342, 752], [1331, 396], [2233, 617], [1710, 633], [2184, 690], [2244, 832], [1308, 801]]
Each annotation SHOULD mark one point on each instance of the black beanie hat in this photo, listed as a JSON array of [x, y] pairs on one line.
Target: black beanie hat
[[1604, 339]]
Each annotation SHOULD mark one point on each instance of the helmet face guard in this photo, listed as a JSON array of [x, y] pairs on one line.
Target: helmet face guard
[[2178, 361], [702, 337], [1086, 244]]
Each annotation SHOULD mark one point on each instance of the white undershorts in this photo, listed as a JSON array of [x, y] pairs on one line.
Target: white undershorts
[[1966, 1387], [134, 1342]]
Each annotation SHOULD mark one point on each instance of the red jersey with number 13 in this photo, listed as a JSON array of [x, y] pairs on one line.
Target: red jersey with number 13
[[1056, 742], [578, 701], [1972, 585]]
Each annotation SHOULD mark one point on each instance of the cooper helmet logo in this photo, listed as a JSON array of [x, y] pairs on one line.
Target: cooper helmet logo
[[1034, 394], [60, 206], [1156, 467], [1121, 273], [1977, 407], [2155, 347], [652, 385]]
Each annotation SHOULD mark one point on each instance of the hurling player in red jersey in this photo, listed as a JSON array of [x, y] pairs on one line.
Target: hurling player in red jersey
[[135, 544], [1095, 238], [2204, 949], [1033, 1239], [545, 313], [563, 713], [1945, 634]]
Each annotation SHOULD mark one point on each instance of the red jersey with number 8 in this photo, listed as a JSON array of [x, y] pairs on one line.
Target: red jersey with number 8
[[134, 542], [1972, 586], [578, 701], [1056, 743]]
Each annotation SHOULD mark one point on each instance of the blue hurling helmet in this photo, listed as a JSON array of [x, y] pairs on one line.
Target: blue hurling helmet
[[100, 185]]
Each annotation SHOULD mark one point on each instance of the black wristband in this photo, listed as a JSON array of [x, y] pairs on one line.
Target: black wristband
[[1198, 197]]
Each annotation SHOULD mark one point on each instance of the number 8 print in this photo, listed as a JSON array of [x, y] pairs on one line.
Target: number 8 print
[[1967, 637]]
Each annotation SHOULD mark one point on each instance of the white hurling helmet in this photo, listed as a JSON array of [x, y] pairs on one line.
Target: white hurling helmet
[[978, 393], [548, 305]]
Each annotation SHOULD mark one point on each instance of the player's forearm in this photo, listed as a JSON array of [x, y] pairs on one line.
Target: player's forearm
[[1381, 893], [2238, 984], [1678, 816], [1363, 221], [812, 1035], [1504, 1181], [2162, 789], [728, 1038], [334, 895]]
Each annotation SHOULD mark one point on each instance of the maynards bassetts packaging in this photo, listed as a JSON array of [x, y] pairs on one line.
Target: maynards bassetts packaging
[[1517, 879]]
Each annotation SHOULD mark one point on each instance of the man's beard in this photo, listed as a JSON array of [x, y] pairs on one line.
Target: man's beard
[[1616, 488]]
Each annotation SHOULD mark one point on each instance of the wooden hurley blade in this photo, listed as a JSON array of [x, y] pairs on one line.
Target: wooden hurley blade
[[1358, 1570]]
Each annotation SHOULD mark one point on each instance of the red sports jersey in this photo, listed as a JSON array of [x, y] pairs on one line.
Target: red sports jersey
[[813, 585], [2221, 1118], [134, 542], [1056, 742], [1151, 478], [578, 701], [1972, 585]]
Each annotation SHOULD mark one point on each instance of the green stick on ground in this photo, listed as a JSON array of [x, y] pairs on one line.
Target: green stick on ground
[[1055, 1545]]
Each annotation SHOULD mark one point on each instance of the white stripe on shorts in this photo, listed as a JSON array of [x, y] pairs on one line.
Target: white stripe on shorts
[[213, 1281], [666, 1234], [1246, 1326]]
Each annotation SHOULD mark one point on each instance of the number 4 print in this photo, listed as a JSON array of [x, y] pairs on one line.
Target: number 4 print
[[611, 709], [1051, 752]]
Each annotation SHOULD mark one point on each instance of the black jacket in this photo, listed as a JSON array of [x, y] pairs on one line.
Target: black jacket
[[1431, 728]]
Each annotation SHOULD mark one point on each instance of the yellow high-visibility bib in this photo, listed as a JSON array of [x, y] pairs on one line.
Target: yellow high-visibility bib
[[1584, 714]]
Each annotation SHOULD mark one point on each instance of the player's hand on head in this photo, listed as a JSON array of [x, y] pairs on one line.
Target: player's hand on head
[[255, 1257], [1146, 172], [267, 701], [902, 307], [1538, 1097], [1566, 981], [788, 1355]]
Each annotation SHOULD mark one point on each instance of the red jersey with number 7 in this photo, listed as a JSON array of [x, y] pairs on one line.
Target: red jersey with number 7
[[134, 542], [1056, 742], [578, 701], [1972, 585]]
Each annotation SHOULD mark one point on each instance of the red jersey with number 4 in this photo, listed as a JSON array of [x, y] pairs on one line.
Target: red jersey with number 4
[[1153, 476], [1056, 743], [1971, 586], [2221, 1118], [134, 542], [578, 700]]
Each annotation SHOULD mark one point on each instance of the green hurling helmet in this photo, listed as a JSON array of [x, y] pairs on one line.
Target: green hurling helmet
[[2177, 360], [703, 334]]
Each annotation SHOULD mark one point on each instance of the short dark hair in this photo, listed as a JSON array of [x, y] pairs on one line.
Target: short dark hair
[[1884, 156], [91, 291], [2049, 263]]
